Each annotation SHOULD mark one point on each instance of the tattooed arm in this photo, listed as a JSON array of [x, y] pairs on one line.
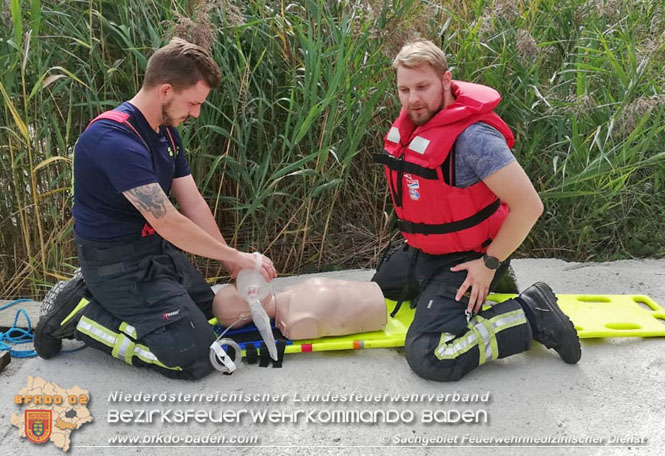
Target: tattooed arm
[[151, 201], [194, 207]]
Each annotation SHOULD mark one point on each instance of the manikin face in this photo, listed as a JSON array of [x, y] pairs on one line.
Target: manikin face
[[180, 105], [421, 91]]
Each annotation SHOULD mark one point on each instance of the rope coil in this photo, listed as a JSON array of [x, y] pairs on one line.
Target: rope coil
[[16, 335]]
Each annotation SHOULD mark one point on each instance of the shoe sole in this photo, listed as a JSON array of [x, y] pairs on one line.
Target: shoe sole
[[549, 297], [50, 331]]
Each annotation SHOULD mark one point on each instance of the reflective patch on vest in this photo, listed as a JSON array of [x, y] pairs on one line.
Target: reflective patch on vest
[[413, 186], [419, 144], [393, 135]]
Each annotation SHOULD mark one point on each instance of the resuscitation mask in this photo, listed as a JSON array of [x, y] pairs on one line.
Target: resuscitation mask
[[253, 288]]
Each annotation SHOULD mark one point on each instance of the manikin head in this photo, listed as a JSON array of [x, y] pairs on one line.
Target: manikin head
[[180, 75], [423, 80]]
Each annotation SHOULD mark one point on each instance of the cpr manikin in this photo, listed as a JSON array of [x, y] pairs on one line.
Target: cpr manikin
[[310, 309]]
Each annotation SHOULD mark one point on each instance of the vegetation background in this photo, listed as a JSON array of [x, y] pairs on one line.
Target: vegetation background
[[283, 151]]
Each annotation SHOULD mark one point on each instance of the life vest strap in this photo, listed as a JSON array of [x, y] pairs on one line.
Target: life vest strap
[[396, 164], [445, 228]]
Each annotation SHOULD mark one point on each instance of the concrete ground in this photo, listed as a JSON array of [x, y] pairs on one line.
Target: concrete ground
[[612, 401]]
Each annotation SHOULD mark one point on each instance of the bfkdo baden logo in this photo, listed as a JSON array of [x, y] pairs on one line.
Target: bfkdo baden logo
[[38, 425], [51, 413]]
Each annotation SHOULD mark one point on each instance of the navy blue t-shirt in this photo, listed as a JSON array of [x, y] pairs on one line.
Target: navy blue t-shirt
[[109, 158]]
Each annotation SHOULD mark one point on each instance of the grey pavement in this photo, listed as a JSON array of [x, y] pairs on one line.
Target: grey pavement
[[612, 401]]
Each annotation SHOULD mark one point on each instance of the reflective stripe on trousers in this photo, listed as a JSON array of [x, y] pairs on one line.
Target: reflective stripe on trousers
[[482, 333], [123, 347]]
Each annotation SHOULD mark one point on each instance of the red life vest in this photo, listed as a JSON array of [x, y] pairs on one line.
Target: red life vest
[[123, 118], [434, 215]]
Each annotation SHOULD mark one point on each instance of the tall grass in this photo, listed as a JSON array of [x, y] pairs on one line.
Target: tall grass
[[583, 88], [282, 151]]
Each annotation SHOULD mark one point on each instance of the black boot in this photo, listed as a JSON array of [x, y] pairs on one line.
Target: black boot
[[550, 326], [61, 310]]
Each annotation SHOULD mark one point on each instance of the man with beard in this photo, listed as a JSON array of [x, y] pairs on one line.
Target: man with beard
[[139, 299], [464, 205]]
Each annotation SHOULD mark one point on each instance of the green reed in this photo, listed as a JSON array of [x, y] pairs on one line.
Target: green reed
[[282, 152]]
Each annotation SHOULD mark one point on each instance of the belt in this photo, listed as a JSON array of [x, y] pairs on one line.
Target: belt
[[114, 252]]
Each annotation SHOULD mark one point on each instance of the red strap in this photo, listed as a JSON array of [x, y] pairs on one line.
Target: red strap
[[117, 116], [175, 149], [123, 118], [120, 117]]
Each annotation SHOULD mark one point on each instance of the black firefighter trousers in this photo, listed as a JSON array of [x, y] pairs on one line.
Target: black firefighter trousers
[[150, 306], [441, 343]]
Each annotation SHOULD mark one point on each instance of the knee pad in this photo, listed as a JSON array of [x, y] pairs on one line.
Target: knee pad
[[181, 343], [419, 353]]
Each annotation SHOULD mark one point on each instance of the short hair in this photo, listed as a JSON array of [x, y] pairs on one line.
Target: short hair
[[181, 64], [418, 52]]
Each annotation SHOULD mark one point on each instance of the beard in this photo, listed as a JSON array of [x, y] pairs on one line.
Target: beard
[[168, 118], [422, 115]]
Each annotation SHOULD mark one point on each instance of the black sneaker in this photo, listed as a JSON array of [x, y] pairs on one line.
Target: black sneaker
[[59, 315], [550, 326]]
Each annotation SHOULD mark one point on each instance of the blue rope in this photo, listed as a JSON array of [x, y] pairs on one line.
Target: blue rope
[[17, 336], [7, 306]]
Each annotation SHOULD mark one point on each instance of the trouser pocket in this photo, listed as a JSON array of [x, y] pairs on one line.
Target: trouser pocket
[[180, 339]]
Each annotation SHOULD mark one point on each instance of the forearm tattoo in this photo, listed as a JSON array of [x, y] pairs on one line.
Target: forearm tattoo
[[149, 198]]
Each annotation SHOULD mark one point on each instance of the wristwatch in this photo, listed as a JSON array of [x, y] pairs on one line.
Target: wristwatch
[[491, 262]]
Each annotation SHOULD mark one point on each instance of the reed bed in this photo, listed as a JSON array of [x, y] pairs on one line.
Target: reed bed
[[282, 152]]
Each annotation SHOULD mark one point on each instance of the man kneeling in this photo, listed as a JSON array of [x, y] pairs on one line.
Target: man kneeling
[[141, 300], [463, 205]]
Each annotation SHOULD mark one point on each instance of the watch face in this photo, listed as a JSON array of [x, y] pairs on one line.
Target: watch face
[[491, 262]]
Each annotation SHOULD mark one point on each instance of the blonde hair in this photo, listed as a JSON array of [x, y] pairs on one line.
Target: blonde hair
[[418, 52], [181, 64]]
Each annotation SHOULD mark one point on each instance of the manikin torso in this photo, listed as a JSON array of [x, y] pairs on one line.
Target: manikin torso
[[313, 308]]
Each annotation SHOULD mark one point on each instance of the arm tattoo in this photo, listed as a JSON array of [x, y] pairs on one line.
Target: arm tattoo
[[149, 198]]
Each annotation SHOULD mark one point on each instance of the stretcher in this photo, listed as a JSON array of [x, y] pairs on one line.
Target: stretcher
[[594, 316]]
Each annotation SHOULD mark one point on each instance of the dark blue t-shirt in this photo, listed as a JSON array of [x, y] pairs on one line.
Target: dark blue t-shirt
[[109, 158]]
